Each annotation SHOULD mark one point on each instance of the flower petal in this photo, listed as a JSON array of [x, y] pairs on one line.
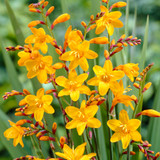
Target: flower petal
[[38, 114], [123, 116], [110, 29], [108, 66], [61, 80], [103, 88], [81, 127], [42, 76], [72, 124], [90, 54], [72, 111], [48, 109], [44, 47], [125, 140], [114, 124], [80, 150], [75, 95], [47, 99], [115, 137], [133, 124], [93, 123], [64, 92], [83, 63], [40, 93], [136, 136]]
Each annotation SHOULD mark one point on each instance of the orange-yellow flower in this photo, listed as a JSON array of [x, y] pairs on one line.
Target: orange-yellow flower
[[118, 91], [108, 21], [149, 112], [125, 129], [105, 77], [16, 132], [40, 67], [28, 54], [75, 154], [78, 55], [82, 117], [130, 69], [39, 38], [73, 85], [39, 104]]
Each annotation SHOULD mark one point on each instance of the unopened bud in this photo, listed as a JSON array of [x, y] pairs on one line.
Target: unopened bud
[[54, 127], [34, 10], [20, 114], [22, 102], [84, 24], [116, 50], [35, 23], [62, 141], [138, 79], [91, 17], [58, 51], [146, 87], [58, 65], [62, 18], [136, 85], [118, 5], [50, 10], [99, 40], [45, 4], [106, 54]]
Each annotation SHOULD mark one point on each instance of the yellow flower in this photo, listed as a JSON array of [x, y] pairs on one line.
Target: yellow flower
[[40, 67], [78, 55], [118, 91], [16, 132], [28, 54], [130, 69], [75, 154], [125, 129], [39, 38], [108, 21], [73, 85], [105, 77], [39, 104], [82, 117]]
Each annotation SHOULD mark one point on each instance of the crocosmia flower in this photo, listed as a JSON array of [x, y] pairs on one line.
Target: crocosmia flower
[[109, 21], [104, 77], [16, 132], [40, 39], [75, 154], [40, 67], [125, 129], [73, 85], [78, 55], [82, 117], [39, 104]]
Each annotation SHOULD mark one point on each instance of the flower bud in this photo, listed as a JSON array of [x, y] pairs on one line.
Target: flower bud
[[54, 127], [99, 40], [84, 24], [146, 87], [149, 112], [136, 85], [106, 54], [50, 10], [35, 23], [60, 19], [62, 141], [34, 10]]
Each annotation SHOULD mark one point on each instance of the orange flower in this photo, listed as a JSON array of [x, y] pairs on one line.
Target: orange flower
[[105, 77], [118, 91], [78, 55], [130, 69], [108, 21], [82, 117], [73, 85], [39, 104], [125, 129], [149, 112], [39, 38], [40, 67], [16, 132]]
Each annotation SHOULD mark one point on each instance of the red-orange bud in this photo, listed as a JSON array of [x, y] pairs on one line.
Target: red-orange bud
[[54, 127], [50, 10], [35, 23]]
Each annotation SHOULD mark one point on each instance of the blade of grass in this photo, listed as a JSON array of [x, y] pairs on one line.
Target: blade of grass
[[15, 152], [153, 129]]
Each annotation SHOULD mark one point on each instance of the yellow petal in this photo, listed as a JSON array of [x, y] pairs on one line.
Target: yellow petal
[[80, 150], [117, 75], [115, 14], [48, 60], [83, 63], [47, 99], [103, 88], [64, 92], [115, 137], [44, 48], [30, 99], [81, 78], [74, 64], [72, 124], [72, 111], [61, 80], [133, 124], [48, 109], [108, 66], [75, 95], [67, 56], [30, 39], [100, 29], [42, 76], [93, 123], [98, 70], [103, 9], [40, 93], [93, 81], [91, 110], [125, 140], [117, 23], [30, 110], [81, 127], [38, 114], [88, 156], [68, 151], [84, 46], [90, 54], [110, 29], [123, 116], [136, 136], [84, 90], [114, 124], [62, 155]]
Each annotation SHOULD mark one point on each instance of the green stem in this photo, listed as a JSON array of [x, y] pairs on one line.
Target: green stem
[[128, 153], [84, 141], [87, 135], [96, 144]]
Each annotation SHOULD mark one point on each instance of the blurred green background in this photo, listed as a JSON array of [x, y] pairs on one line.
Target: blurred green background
[[79, 10]]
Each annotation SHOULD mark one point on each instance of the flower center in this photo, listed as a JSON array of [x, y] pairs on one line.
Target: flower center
[[105, 78], [73, 84], [80, 114], [39, 103], [38, 66], [124, 128], [77, 54]]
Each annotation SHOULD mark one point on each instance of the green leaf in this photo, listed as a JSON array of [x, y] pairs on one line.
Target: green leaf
[[16, 26], [153, 128], [12, 73], [15, 152], [145, 44]]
